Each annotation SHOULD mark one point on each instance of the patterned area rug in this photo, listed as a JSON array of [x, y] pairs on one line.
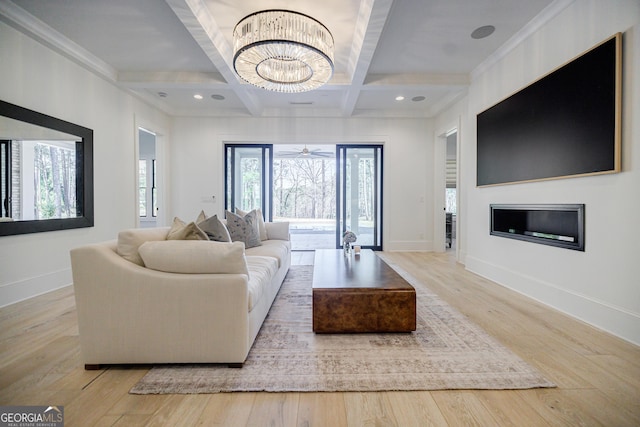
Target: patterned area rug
[[446, 351]]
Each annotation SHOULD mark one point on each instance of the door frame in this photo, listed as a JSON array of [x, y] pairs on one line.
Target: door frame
[[162, 191], [266, 192], [439, 206], [378, 193]]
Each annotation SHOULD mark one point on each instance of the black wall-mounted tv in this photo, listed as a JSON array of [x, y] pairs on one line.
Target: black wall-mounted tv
[[565, 124]]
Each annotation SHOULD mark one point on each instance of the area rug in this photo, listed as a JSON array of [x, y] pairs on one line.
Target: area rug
[[447, 351]]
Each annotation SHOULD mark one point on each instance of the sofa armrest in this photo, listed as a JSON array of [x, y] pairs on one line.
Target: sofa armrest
[[131, 314], [278, 230]]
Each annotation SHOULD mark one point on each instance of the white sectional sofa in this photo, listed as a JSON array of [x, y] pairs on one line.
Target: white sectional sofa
[[192, 302]]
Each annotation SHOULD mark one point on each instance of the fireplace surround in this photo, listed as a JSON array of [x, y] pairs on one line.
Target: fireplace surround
[[560, 225]]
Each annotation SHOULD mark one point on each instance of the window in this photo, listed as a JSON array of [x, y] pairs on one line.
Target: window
[[5, 178], [154, 192], [451, 200], [142, 190]]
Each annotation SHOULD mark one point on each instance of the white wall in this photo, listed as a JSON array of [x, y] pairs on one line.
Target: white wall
[[198, 163], [35, 77], [602, 284]]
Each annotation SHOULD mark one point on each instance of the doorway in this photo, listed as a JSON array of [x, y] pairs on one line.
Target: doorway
[[304, 194], [359, 194], [451, 196]]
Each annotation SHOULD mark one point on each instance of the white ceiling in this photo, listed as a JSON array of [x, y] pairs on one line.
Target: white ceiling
[[383, 48]]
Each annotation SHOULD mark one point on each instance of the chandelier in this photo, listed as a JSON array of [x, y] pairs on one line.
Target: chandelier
[[283, 51]]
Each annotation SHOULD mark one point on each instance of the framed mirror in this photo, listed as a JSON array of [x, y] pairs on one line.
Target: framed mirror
[[46, 172]]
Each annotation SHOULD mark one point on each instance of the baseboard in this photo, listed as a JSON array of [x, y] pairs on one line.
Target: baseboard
[[409, 246], [12, 293], [600, 314]]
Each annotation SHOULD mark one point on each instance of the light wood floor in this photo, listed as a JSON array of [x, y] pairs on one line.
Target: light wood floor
[[598, 375]]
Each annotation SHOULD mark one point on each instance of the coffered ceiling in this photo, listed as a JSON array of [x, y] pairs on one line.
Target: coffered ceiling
[[165, 51]]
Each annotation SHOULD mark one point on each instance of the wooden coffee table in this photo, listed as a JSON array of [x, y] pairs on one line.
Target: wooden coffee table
[[360, 294]]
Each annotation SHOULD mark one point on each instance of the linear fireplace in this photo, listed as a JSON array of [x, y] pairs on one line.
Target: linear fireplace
[[559, 225]]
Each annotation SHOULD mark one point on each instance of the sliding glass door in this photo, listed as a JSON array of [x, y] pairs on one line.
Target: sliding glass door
[[310, 191], [359, 194], [248, 177]]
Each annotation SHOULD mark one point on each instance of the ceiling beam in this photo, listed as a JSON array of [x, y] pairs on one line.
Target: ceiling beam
[[369, 25], [198, 20]]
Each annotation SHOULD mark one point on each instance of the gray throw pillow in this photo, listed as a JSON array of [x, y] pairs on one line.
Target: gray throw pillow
[[261, 227], [244, 229], [215, 229]]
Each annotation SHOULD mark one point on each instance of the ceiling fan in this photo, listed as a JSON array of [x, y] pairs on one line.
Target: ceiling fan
[[305, 152]]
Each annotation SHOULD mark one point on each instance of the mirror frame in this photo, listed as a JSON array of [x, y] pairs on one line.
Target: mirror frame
[[85, 194]]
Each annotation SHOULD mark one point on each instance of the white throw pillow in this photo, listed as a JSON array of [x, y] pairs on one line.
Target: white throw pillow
[[194, 256], [130, 240]]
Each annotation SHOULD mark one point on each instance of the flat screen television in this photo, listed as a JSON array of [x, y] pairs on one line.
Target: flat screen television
[[565, 124]]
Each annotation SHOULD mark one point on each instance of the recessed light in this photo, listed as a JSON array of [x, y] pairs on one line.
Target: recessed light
[[399, 98], [197, 96], [217, 97], [482, 32], [418, 98]]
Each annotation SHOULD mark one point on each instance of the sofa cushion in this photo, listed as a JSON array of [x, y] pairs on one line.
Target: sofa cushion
[[262, 270], [197, 257], [244, 228], [270, 263], [261, 225], [215, 229], [130, 240], [183, 231], [279, 249]]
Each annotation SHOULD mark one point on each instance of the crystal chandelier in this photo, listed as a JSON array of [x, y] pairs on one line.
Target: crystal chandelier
[[283, 51]]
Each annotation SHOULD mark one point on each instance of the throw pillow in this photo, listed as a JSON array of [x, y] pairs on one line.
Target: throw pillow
[[201, 217], [130, 240], [182, 231], [215, 229], [261, 227], [194, 257], [244, 228]]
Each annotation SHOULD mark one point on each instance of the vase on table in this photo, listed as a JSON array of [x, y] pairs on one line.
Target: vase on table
[[347, 248]]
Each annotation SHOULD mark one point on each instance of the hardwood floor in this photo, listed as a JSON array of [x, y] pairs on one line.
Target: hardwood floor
[[598, 375]]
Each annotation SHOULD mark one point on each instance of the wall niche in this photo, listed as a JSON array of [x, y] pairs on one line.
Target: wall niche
[[560, 225]]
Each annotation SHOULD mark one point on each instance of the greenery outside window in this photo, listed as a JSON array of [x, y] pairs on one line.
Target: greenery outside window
[[142, 190]]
